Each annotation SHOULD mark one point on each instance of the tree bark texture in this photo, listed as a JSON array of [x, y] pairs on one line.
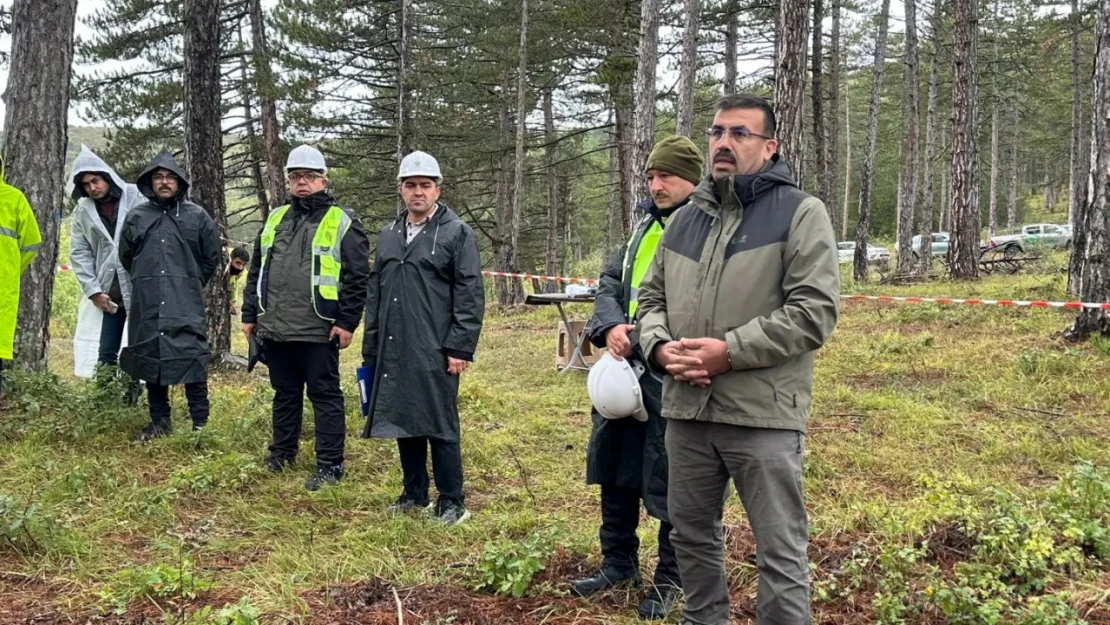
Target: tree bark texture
[[908, 186], [864, 220], [405, 85], [1011, 196], [1077, 173], [790, 83], [684, 121], [833, 120], [271, 131], [1094, 284], [928, 208], [963, 250], [732, 12], [992, 205], [35, 134], [204, 152], [551, 255], [820, 134], [847, 165], [643, 110]]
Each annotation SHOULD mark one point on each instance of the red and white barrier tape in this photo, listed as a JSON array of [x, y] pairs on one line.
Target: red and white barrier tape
[[979, 302], [1015, 303]]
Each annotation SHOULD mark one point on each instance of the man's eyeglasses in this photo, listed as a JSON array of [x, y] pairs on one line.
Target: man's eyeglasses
[[307, 176], [163, 178], [736, 132]]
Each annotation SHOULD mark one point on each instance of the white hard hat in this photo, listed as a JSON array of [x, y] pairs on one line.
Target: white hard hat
[[614, 388], [306, 157], [420, 164]]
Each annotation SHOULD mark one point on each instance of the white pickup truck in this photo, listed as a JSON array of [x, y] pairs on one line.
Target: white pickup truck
[[1034, 236]]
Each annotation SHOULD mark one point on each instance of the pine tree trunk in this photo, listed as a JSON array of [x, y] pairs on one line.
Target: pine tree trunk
[[847, 165], [254, 154], [510, 245], [832, 151], [1011, 196], [204, 153], [824, 182], [35, 133], [503, 198], [790, 83], [643, 110], [864, 221], [908, 188], [1077, 173], [945, 188], [1094, 285], [963, 251], [731, 39], [924, 252], [992, 210], [630, 184], [551, 256], [264, 84], [684, 121], [405, 87]]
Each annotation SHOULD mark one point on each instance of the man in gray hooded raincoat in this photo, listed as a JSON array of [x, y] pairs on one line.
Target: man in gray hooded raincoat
[[103, 202], [171, 248]]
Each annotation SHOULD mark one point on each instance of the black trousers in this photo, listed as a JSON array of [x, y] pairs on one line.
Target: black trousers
[[294, 367], [446, 468], [196, 394], [111, 336], [620, 516]]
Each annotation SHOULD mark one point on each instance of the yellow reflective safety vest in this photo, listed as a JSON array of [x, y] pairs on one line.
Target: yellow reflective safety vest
[[327, 260], [20, 240], [637, 258]]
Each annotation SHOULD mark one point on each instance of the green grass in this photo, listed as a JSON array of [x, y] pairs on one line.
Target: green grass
[[926, 421]]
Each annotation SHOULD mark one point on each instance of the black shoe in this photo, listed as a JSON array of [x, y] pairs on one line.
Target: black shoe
[[451, 513], [277, 464], [405, 505], [658, 602], [605, 578], [154, 430], [198, 426], [324, 476]]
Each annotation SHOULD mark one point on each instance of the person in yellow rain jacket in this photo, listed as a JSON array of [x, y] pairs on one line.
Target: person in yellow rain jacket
[[20, 240]]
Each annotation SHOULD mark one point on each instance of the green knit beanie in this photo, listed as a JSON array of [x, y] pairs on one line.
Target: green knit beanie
[[679, 156]]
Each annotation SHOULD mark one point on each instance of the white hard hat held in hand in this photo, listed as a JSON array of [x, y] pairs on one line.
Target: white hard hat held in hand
[[614, 388], [306, 157], [420, 164]]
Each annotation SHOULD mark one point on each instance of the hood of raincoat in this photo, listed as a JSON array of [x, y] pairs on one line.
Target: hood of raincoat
[[87, 162], [164, 160]]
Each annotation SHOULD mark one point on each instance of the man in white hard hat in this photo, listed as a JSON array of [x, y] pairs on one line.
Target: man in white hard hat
[[305, 291], [423, 317], [626, 456]]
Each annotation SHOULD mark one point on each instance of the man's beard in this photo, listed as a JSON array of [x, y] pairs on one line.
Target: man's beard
[[233, 270]]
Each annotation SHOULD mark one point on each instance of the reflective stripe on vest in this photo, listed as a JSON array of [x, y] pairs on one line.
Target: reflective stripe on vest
[[327, 256], [644, 253]]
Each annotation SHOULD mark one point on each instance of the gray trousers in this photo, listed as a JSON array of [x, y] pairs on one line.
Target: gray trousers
[[766, 466]]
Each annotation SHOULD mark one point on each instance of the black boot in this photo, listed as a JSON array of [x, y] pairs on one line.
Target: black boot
[[324, 476], [658, 602], [153, 430], [605, 578]]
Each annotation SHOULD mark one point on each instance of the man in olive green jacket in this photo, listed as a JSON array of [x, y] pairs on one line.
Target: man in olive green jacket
[[742, 292]]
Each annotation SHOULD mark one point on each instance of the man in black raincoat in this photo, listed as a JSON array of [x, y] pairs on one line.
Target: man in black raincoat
[[627, 457], [171, 248], [423, 317]]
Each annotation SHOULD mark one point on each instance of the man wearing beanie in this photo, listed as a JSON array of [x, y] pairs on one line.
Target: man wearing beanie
[[626, 456]]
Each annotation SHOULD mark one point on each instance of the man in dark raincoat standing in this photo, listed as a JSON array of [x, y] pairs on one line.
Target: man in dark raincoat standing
[[626, 457], [423, 317], [171, 248]]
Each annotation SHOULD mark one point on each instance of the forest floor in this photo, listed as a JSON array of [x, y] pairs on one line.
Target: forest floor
[[957, 470]]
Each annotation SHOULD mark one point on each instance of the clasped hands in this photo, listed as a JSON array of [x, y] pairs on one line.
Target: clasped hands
[[694, 360]]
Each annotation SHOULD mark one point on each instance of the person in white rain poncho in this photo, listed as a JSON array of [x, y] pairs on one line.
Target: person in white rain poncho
[[103, 202]]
